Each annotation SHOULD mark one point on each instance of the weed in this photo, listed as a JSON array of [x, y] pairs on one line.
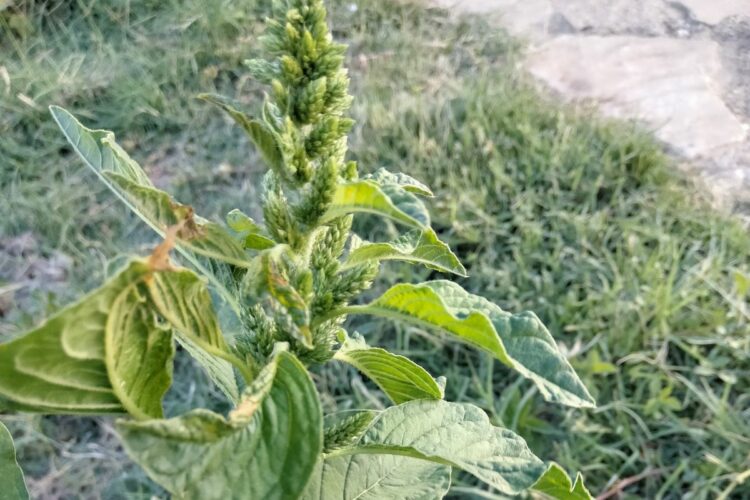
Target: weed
[[624, 260]]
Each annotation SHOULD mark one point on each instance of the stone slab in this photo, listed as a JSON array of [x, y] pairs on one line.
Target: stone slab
[[712, 12], [682, 67], [620, 17], [725, 175], [733, 34], [674, 86]]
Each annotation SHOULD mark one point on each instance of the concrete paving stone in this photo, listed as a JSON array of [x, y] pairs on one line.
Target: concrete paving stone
[[733, 34], [712, 12], [673, 85], [635, 17]]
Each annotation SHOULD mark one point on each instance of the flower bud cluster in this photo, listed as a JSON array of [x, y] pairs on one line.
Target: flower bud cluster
[[304, 114]]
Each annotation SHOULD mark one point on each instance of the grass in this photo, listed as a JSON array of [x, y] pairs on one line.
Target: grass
[[552, 209], [582, 222]]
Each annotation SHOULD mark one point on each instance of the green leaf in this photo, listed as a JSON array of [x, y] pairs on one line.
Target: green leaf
[[421, 247], [197, 235], [109, 354], [555, 483], [371, 476], [255, 241], [240, 222], [12, 484], [453, 434], [250, 232], [390, 201], [218, 370], [139, 353], [260, 134], [98, 149], [60, 367], [182, 298], [383, 177], [520, 341], [399, 377], [377, 477], [267, 448], [129, 182]]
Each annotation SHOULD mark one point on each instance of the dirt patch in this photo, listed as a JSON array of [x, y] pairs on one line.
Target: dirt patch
[[25, 275]]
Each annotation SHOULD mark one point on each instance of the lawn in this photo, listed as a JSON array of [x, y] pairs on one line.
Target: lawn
[[584, 221]]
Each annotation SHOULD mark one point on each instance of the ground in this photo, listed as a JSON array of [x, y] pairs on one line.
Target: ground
[[584, 220]]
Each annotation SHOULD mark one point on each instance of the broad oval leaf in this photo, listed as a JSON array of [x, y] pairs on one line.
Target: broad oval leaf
[[556, 484], [454, 434], [377, 477], [12, 484], [422, 247], [366, 196], [60, 367], [139, 353], [400, 378], [267, 449], [520, 341], [409, 183], [108, 354]]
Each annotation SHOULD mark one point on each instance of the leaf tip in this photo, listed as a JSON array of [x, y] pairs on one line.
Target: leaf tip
[[58, 112], [590, 403]]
